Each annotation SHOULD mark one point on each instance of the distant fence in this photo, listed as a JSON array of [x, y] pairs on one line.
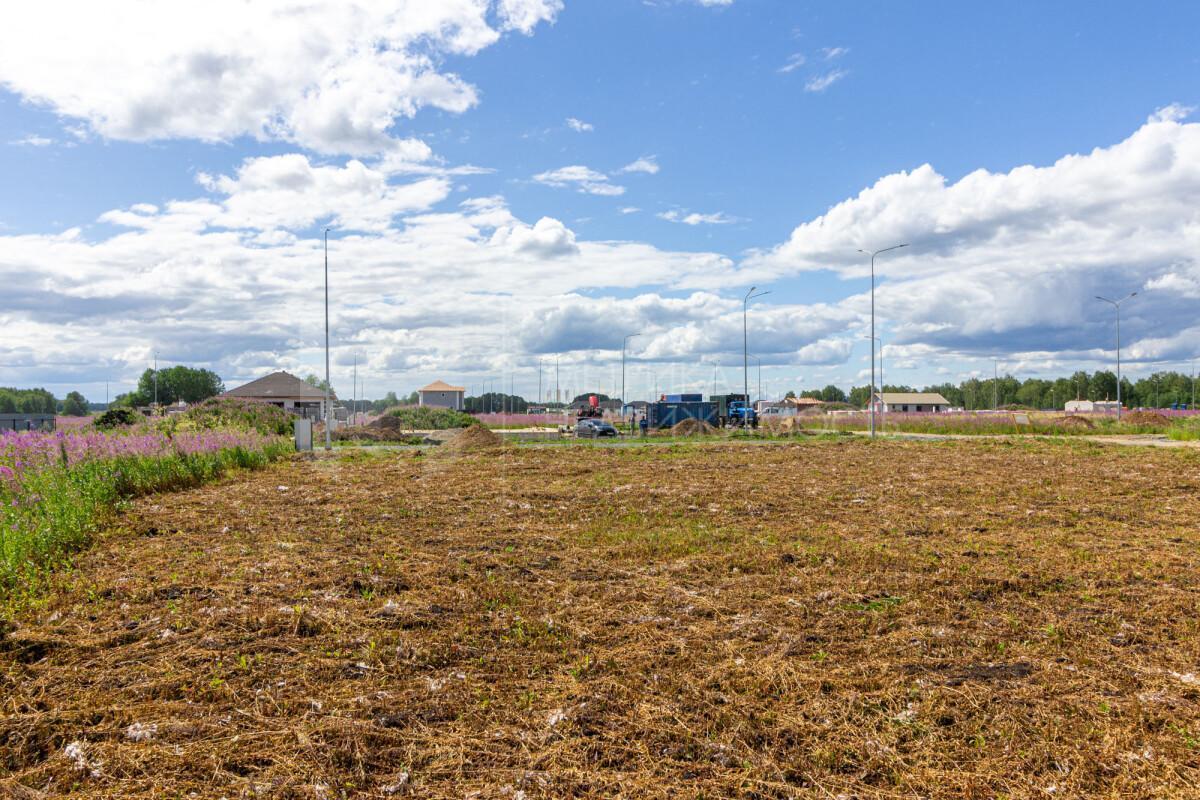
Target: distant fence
[[27, 422]]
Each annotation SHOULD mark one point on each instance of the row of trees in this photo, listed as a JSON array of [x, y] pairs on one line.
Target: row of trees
[[174, 384], [40, 401], [1160, 390]]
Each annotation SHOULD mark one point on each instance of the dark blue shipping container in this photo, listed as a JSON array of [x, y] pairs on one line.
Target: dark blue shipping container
[[682, 398], [668, 415]]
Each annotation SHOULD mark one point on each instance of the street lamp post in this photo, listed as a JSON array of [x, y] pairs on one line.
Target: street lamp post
[[871, 394], [624, 342], [1116, 304], [759, 362], [328, 409], [750, 295]]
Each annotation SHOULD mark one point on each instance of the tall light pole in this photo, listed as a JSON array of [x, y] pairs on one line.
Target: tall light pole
[[624, 342], [354, 392], [156, 379], [759, 361], [1116, 304], [871, 394], [875, 339], [328, 410], [557, 394], [750, 295]]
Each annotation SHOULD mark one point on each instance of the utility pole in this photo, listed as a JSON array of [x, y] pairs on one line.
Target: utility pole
[[540, 398], [328, 409], [156, 380], [624, 342], [354, 393], [1116, 304], [557, 394], [871, 394]]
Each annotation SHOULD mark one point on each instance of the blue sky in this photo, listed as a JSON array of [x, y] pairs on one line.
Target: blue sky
[[751, 119]]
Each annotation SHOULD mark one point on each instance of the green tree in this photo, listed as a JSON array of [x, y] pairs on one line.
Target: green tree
[[859, 395], [27, 401], [831, 394], [313, 380], [75, 405], [1102, 386]]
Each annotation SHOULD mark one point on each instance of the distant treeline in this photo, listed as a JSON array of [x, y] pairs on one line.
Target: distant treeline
[[1160, 390]]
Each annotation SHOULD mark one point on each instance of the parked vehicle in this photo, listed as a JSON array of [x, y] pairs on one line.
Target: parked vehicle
[[722, 403], [742, 415], [594, 429]]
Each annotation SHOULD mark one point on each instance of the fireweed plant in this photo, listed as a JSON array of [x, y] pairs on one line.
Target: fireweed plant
[[56, 487]]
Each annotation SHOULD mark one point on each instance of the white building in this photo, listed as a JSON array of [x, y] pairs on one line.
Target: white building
[[1091, 406], [441, 395], [920, 402]]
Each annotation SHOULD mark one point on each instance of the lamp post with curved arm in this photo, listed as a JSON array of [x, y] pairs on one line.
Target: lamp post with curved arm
[[1116, 304], [750, 295], [871, 394]]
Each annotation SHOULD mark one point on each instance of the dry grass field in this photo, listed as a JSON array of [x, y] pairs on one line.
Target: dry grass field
[[825, 619]]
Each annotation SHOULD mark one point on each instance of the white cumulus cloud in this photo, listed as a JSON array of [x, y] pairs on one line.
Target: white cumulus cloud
[[334, 77]]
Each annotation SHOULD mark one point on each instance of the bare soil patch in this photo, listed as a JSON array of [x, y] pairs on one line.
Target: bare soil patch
[[818, 619]]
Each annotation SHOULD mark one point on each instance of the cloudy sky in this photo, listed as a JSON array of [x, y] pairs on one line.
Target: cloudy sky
[[509, 182]]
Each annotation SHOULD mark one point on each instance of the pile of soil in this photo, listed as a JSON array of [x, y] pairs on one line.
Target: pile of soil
[[1145, 418], [387, 422], [692, 427], [1073, 421], [473, 439], [783, 425]]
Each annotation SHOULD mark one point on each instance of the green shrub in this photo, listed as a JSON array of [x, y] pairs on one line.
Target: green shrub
[[429, 418], [231, 412], [117, 418]]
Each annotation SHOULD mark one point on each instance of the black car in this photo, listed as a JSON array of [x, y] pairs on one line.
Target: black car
[[594, 428]]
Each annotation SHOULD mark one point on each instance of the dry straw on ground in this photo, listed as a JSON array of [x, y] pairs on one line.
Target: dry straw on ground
[[692, 427], [473, 439], [814, 620]]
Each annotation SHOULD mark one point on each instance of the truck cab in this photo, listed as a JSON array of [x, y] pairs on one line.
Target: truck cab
[[742, 415]]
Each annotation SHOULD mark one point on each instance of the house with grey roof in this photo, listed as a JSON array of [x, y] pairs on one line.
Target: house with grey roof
[[286, 391], [919, 402]]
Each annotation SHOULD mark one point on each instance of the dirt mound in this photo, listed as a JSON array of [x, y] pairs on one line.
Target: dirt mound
[[1073, 421], [388, 422], [473, 439], [1144, 418], [781, 425], [692, 427]]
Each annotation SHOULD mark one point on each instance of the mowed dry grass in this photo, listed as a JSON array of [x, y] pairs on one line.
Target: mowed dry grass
[[825, 619]]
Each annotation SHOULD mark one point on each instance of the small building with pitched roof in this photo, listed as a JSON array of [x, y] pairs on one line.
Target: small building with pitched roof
[[920, 402], [286, 391], [440, 394]]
